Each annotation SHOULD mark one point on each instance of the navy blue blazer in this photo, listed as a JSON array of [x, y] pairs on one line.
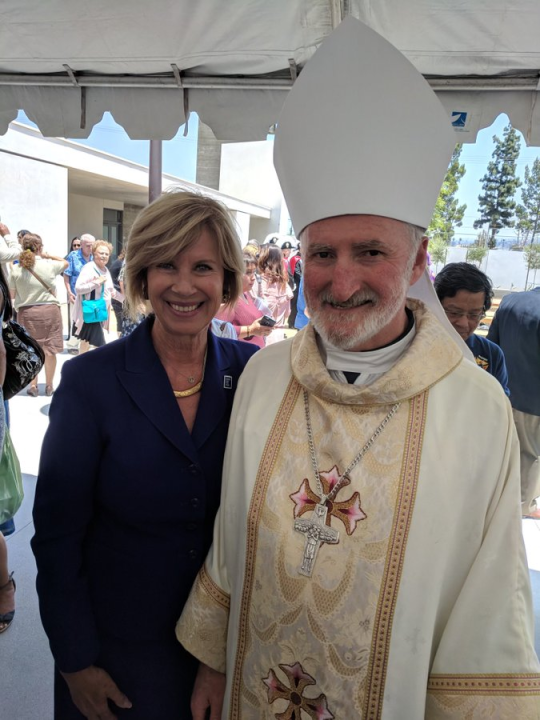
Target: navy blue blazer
[[126, 496], [516, 329]]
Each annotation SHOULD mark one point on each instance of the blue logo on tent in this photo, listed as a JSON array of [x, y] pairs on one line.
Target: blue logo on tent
[[459, 119]]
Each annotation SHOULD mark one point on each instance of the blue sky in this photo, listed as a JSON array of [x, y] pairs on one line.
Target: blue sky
[[179, 154], [476, 157]]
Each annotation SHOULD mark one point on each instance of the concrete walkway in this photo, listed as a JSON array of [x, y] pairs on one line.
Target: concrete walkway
[[26, 667]]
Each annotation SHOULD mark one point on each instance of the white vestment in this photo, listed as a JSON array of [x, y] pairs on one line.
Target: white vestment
[[422, 608]]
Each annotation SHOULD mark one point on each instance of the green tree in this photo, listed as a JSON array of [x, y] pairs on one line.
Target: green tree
[[497, 205], [531, 254], [475, 254], [523, 225], [438, 248], [530, 196], [529, 212], [448, 213]]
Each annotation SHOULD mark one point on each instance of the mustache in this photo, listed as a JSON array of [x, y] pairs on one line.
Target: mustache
[[356, 300]]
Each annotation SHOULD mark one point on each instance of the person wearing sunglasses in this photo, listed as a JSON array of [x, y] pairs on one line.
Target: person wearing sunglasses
[[465, 293]]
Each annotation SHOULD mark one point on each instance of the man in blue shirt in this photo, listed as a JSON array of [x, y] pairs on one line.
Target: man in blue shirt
[[516, 328], [77, 259], [465, 293]]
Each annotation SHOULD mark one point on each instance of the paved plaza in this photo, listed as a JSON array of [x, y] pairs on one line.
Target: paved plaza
[[25, 663]]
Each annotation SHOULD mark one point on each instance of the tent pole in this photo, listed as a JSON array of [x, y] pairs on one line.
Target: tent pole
[[155, 170]]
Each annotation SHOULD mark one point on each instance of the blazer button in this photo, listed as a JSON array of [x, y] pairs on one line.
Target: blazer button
[[195, 502], [191, 526], [193, 554], [193, 469]]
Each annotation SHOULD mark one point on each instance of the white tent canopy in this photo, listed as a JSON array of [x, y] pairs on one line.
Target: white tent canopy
[[66, 62]]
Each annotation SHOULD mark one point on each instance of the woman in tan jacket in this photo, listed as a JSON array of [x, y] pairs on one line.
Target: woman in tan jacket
[[32, 285]]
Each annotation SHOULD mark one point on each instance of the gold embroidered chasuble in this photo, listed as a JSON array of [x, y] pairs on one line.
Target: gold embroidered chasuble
[[422, 607]]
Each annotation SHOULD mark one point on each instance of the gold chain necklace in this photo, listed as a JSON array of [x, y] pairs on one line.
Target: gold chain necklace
[[196, 388]]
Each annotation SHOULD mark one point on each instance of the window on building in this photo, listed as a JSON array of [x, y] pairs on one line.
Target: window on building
[[113, 221]]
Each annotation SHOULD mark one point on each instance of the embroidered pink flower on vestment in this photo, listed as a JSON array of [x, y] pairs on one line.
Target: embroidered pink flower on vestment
[[298, 679], [303, 497], [348, 511]]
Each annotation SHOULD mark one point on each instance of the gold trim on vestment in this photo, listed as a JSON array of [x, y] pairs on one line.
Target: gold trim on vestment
[[202, 629], [380, 649], [215, 592], [522, 684], [483, 697], [256, 508]]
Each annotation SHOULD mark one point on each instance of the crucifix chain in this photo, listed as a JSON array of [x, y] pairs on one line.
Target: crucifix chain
[[315, 529], [346, 474]]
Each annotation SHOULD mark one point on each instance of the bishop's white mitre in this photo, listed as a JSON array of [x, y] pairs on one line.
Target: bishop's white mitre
[[361, 132]]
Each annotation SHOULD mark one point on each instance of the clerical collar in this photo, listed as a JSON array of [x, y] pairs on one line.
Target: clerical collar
[[369, 364]]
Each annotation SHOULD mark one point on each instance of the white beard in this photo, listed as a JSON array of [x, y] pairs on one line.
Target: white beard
[[347, 334]]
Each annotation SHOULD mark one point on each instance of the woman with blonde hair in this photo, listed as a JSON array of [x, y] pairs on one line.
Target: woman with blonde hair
[[93, 284], [274, 289], [122, 533], [32, 286]]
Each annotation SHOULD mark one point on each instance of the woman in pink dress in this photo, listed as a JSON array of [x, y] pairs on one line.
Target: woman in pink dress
[[247, 311], [274, 289]]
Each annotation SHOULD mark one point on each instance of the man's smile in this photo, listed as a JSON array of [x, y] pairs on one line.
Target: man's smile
[[348, 304]]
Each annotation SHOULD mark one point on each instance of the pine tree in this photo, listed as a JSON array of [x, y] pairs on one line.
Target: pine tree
[[497, 204], [448, 213], [532, 258], [530, 196], [523, 225], [529, 212]]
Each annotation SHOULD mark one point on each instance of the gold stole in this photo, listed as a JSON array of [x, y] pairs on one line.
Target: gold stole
[[322, 643]]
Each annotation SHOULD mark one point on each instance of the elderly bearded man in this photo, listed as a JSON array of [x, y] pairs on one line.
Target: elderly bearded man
[[367, 559]]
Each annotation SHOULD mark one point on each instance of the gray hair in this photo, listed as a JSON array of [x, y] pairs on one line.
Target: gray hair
[[417, 234]]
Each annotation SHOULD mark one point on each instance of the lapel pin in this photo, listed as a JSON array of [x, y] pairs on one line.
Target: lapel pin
[[227, 382]]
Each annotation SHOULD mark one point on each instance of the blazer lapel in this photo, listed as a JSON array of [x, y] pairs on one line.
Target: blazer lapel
[[217, 392], [146, 382]]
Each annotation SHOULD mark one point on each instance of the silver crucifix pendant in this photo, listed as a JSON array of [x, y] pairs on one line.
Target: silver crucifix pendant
[[316, 532]]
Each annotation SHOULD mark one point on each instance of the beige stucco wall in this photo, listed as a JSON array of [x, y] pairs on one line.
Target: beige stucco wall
[[247, 172], [85, 214], [33, 196]]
